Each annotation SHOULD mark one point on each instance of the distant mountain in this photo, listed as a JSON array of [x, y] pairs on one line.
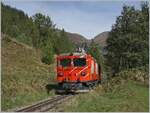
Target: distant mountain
[[79, 39], [101, 38], [76, 38]]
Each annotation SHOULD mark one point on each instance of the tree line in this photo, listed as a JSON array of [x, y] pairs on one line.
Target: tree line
[[128, 41], [127, 44], [38, 31]]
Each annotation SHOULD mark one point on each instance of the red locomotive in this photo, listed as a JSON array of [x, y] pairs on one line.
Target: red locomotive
[[77, 72]]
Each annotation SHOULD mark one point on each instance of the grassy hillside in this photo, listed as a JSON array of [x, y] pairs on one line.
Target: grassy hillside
[[24, 76], [129, 96]]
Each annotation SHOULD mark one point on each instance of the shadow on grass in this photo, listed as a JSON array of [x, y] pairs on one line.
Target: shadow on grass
[[56, 87], [50, 87]]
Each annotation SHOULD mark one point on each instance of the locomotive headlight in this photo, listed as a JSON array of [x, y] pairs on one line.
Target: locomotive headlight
[[83, 73], [60, 74]]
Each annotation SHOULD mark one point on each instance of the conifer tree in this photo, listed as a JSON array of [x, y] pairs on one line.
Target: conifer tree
[[127, 44]]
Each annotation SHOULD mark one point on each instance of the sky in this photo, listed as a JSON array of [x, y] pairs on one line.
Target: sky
[[88, 18]]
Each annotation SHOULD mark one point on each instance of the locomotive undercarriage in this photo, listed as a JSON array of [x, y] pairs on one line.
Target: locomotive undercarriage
[[76, 87]]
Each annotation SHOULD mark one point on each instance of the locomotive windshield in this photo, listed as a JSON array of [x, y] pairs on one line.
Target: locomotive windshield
[[65, 62], [79, 62]]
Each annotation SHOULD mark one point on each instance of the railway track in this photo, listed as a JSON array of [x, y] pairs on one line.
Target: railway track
[[45, 105]]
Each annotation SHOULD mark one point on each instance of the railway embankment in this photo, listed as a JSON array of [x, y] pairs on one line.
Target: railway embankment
[[24, 77]]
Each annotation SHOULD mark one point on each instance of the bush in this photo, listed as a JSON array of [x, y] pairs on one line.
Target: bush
[[48, 54], [47, 59], [140, 74]]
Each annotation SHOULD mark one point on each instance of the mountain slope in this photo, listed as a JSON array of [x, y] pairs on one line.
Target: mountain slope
[[101, 38], [24, 76], [76, 38]]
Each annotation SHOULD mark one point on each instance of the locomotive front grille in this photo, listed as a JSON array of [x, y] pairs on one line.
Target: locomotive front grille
[[73, 86]]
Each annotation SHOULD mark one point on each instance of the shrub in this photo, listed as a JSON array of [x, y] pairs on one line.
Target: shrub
[[48, 53], [140, 74]]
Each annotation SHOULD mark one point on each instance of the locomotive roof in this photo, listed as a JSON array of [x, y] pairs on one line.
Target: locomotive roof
[[63, 55], [73, 54]]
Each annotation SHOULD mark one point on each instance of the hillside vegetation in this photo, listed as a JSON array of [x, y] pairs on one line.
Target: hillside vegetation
[[24, 76], [38, 31]]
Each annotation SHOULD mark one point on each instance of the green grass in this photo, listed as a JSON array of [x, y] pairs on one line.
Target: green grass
[[24, 76], [24, 99], [128, 97]]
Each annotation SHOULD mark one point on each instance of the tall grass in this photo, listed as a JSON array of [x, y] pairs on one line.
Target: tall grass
[[24, 76], [127, 97]]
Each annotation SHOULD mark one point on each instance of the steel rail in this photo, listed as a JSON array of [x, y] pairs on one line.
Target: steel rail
[[45, 105]]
